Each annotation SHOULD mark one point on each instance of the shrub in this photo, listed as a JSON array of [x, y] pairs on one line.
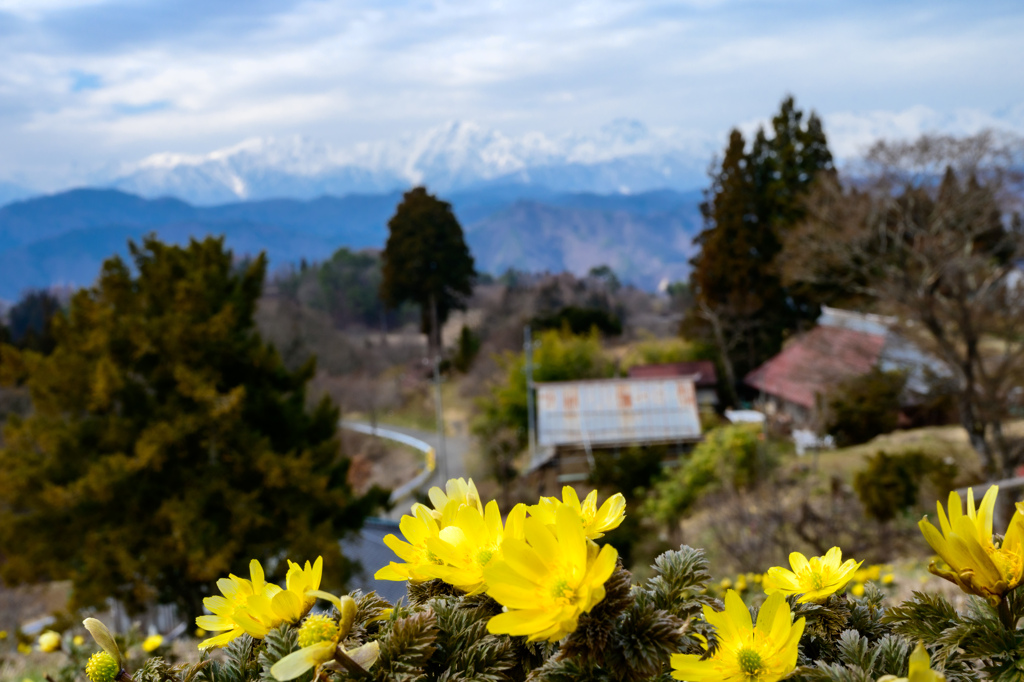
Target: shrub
[[865, 406], [580, 321], [891, 484], [654, 351], [467, 349], [729, 454]]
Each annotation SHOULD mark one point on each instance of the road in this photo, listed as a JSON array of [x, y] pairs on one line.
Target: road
[[456, 447]]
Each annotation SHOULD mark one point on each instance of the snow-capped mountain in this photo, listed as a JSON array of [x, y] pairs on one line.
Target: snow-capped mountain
[[622, 157]]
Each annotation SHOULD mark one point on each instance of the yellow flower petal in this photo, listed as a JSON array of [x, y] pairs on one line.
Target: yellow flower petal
[[365, 655], [298, 662], [221, 640]]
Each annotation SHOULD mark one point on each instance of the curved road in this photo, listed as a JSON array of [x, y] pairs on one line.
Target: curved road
[[457, 448]]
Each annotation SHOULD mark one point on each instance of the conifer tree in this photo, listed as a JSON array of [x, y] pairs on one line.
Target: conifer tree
[[426, 261], [168, 443], [754, 200]]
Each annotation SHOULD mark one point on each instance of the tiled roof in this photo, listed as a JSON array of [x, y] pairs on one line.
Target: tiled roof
[[703, 369], [816, 361]]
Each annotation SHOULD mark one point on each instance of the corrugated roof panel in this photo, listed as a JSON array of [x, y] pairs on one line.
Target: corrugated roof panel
[[617, 411]]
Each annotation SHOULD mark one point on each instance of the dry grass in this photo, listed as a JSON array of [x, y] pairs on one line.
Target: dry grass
[[936, 441]]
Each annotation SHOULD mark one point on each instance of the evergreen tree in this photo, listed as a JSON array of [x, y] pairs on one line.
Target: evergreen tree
[[754, 200], [168, 443], [30, 320], [426, 261]]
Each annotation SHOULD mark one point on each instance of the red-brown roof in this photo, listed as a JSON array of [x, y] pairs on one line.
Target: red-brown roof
[[816, 361], [703, 369]]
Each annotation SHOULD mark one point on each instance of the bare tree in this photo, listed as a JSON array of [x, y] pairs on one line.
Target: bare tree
[[930, 233]]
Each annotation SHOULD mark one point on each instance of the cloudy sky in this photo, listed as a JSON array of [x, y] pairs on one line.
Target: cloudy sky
[[91, 83]]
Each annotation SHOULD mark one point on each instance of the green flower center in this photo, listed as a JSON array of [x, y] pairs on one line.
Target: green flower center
[[317, 628], [813, 579], [483, 557], [561, 590], [750, 662]]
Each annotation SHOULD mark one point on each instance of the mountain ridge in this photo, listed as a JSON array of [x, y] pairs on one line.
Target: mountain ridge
[[623, 156], [63, 238]]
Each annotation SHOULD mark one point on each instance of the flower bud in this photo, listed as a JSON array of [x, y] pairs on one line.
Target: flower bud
[[317, 629], [49, 641], [102, 667]]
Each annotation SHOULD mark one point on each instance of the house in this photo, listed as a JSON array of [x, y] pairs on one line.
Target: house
[[703, 371], [843, 345], [576, 417]]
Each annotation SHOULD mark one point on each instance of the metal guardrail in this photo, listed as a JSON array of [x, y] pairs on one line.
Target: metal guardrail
[[981, 488], [429, 456]]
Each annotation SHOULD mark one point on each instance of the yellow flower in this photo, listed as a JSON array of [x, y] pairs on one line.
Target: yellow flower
[[255, 606], [3, 634], [152, 643], [595, 521], [920, 669], [470, 544], [49, 641], [975, 563], [413, 551], [746, 653], [459, 492], [78, 640], [548, 579], [319, 639], [24, 648], [857, 590], [888, 578], [302, 581], [815, 578]]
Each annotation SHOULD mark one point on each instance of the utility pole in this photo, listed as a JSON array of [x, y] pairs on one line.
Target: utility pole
[[435, 337], [531, 420]]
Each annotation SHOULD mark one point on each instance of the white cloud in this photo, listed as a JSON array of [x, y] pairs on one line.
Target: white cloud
[[851, 134], [346, 72], [34, 9]]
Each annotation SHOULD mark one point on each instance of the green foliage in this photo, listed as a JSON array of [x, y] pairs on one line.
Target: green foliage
[[606, 275], [559, 357], [865, 406], [240, 663], [730, 455], [30, 321], [346, 286], [891, 484], [278, 643], [467, 349], [629, 471], [426, 259], [665, 351], [405, 646], [754, 200], [168, 440], [577, 320]]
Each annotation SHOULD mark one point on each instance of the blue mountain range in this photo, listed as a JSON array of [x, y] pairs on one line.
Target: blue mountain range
[[62, 239]]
